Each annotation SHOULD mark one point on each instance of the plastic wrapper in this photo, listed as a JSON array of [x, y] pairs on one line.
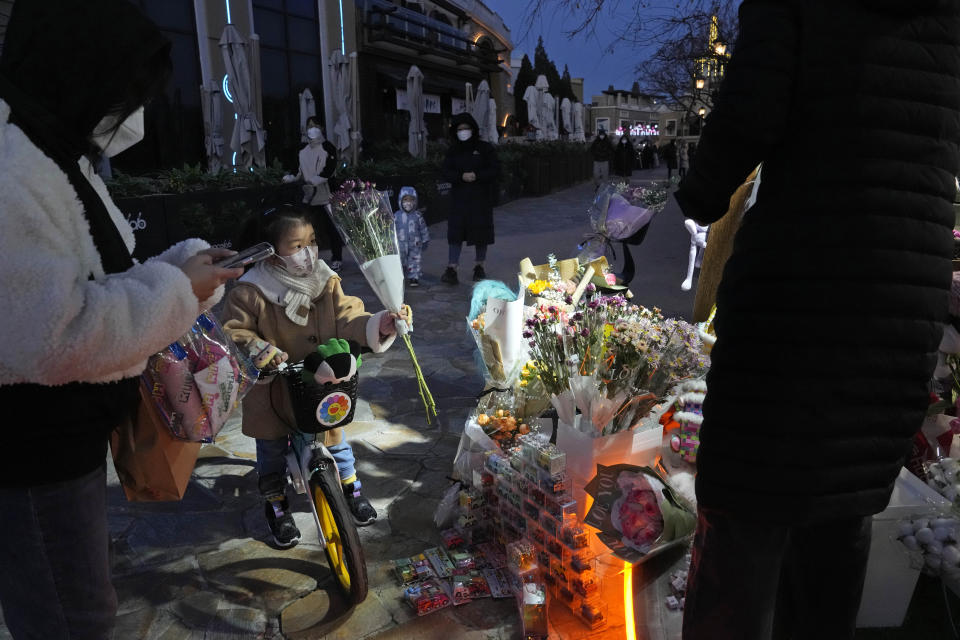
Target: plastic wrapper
[[413, 569], [199, 380], [496, 328], [637, 513], [427, 597], [448, 511]]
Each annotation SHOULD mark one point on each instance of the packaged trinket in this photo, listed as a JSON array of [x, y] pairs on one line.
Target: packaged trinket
[[427, 596]]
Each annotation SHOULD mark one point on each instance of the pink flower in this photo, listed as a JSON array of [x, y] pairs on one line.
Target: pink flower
[[610, 278]]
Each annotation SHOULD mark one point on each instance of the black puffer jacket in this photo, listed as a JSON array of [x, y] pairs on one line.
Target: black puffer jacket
[[830, 308]]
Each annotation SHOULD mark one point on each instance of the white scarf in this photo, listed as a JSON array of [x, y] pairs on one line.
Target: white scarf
[[295, 294]]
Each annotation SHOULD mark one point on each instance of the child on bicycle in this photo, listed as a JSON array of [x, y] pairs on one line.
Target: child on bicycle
[[294, 302]]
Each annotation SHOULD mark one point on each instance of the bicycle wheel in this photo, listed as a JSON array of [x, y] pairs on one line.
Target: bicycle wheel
[[343, 549]]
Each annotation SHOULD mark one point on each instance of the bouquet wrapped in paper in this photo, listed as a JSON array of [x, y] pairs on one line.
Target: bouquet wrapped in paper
[[638, 514], [496, 323], [199, 380], [619, 211], [365, 219]]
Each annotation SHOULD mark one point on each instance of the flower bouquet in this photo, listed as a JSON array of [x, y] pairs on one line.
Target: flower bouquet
[[638, 514], [365, 220], [619, 211], [496, 322]]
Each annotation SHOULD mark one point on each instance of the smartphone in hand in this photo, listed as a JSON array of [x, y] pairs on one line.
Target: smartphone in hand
[[256, 253]]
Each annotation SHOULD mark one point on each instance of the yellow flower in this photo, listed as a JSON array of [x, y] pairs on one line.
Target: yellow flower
[[537, 286]]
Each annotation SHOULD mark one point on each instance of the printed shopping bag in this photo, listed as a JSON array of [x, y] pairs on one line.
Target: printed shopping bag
[[151, 463]]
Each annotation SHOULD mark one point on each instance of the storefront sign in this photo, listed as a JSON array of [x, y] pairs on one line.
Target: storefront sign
[[431, 103], [459, 106]]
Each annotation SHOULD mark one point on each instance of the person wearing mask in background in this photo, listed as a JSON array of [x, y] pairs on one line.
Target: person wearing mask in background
[[472, 168], [656, 155], [836, 293], [413, 236], [80, 315], [647, 155], [601, 151], [683, 159], [318, 163], [624, 157], [671, 157]]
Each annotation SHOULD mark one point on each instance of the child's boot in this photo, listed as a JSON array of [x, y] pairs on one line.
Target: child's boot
[[363, 512], [277, 511]]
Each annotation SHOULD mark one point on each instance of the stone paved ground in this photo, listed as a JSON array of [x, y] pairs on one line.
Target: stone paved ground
[[202, 568]]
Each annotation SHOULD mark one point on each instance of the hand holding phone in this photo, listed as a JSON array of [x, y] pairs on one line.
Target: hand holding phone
[[254, 254]]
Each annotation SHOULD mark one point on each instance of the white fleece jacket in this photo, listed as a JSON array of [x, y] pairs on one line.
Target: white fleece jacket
[[56, 325]]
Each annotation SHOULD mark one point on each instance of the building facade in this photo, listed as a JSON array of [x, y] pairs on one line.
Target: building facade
[[452, 41], [621, 112]]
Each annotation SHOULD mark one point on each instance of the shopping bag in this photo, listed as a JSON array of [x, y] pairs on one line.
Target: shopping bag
[[198, 381], [152, 465]]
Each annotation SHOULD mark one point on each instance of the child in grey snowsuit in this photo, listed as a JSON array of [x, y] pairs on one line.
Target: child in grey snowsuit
[[412, 234]]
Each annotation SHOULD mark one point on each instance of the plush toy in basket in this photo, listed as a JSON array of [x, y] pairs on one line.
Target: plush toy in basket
[[323, 388]]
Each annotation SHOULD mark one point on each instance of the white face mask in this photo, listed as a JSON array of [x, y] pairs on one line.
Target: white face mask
[[313, 133], [464, 135], [128, 134], [407, 206], [303, 262]]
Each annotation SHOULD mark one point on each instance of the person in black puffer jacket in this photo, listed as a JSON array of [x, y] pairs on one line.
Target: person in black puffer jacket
[[831, 306]]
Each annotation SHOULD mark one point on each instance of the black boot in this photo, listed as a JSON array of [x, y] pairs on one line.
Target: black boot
[[478, 273], [449, 276], [363, 512], [277, 511]]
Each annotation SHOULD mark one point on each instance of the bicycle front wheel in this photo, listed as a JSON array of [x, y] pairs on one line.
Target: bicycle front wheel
[[343, 549]]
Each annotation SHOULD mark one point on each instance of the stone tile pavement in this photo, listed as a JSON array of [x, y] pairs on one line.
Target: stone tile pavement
[[202, 569]]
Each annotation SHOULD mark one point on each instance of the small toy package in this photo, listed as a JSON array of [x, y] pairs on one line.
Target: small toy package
[[452, 539], [497, 582], [410, 570], [474, 583], [462, 560], [492, 555], [593, 613], [427, 596], [442, 566], [533, 610], [520, 557]]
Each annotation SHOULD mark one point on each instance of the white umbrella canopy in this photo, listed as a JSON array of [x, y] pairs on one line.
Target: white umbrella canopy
[[481, 106], [212, 125], [308, 109], [341, 80], [549, 116], [578, 134], [493, 136], [249, 138], [417, 133], [565, 108], [532, 97]]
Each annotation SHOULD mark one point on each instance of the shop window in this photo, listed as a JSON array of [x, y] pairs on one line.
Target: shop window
[[290, 62]]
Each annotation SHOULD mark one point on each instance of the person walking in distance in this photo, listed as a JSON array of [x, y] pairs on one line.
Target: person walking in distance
[[318, 163], [601, 151], [472, 168], [671, 157], [847, 321]]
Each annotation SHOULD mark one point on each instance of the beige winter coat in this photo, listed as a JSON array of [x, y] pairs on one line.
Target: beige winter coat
[[249, 314]]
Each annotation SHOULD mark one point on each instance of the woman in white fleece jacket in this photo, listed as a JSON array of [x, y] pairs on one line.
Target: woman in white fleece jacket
[[79, 317]]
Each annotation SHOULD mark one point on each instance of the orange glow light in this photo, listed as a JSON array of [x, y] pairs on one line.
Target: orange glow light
[[631, 624], [505, 118]]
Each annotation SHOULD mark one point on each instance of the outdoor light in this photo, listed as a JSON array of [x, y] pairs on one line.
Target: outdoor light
[[701, 83], [721, 49], [703, 112]]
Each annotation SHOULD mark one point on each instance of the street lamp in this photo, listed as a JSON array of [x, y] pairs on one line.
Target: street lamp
[[701, 83], [721, 49], [703, 112]]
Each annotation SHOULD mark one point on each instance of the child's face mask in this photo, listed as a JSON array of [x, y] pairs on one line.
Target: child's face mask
[[302, 263]]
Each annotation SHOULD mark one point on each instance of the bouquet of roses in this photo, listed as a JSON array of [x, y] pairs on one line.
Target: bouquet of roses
[[365, 220], [620, 210]]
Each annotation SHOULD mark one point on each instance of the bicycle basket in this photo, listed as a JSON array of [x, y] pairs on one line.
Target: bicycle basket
[[320, 407]]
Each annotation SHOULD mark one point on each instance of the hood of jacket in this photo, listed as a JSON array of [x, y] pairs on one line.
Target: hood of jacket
[[464, 118], [68, 62], [409, 191]]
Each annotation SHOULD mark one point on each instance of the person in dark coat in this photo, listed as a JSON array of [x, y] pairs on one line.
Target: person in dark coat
[[624, 157], [646, 155], [601, 151], [671, 156], [472, 168], [831, 306]]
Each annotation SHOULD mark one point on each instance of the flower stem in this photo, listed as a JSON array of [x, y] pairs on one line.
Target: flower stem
[[425, 395]]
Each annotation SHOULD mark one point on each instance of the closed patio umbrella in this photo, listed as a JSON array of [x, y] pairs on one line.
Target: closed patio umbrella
[[308, 109], [532, 97], [493, 135], [256, 90], [481, 105], [342, 77], [417, 132], [565, 111], [212, 106], [249, 138], [578, 134]]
